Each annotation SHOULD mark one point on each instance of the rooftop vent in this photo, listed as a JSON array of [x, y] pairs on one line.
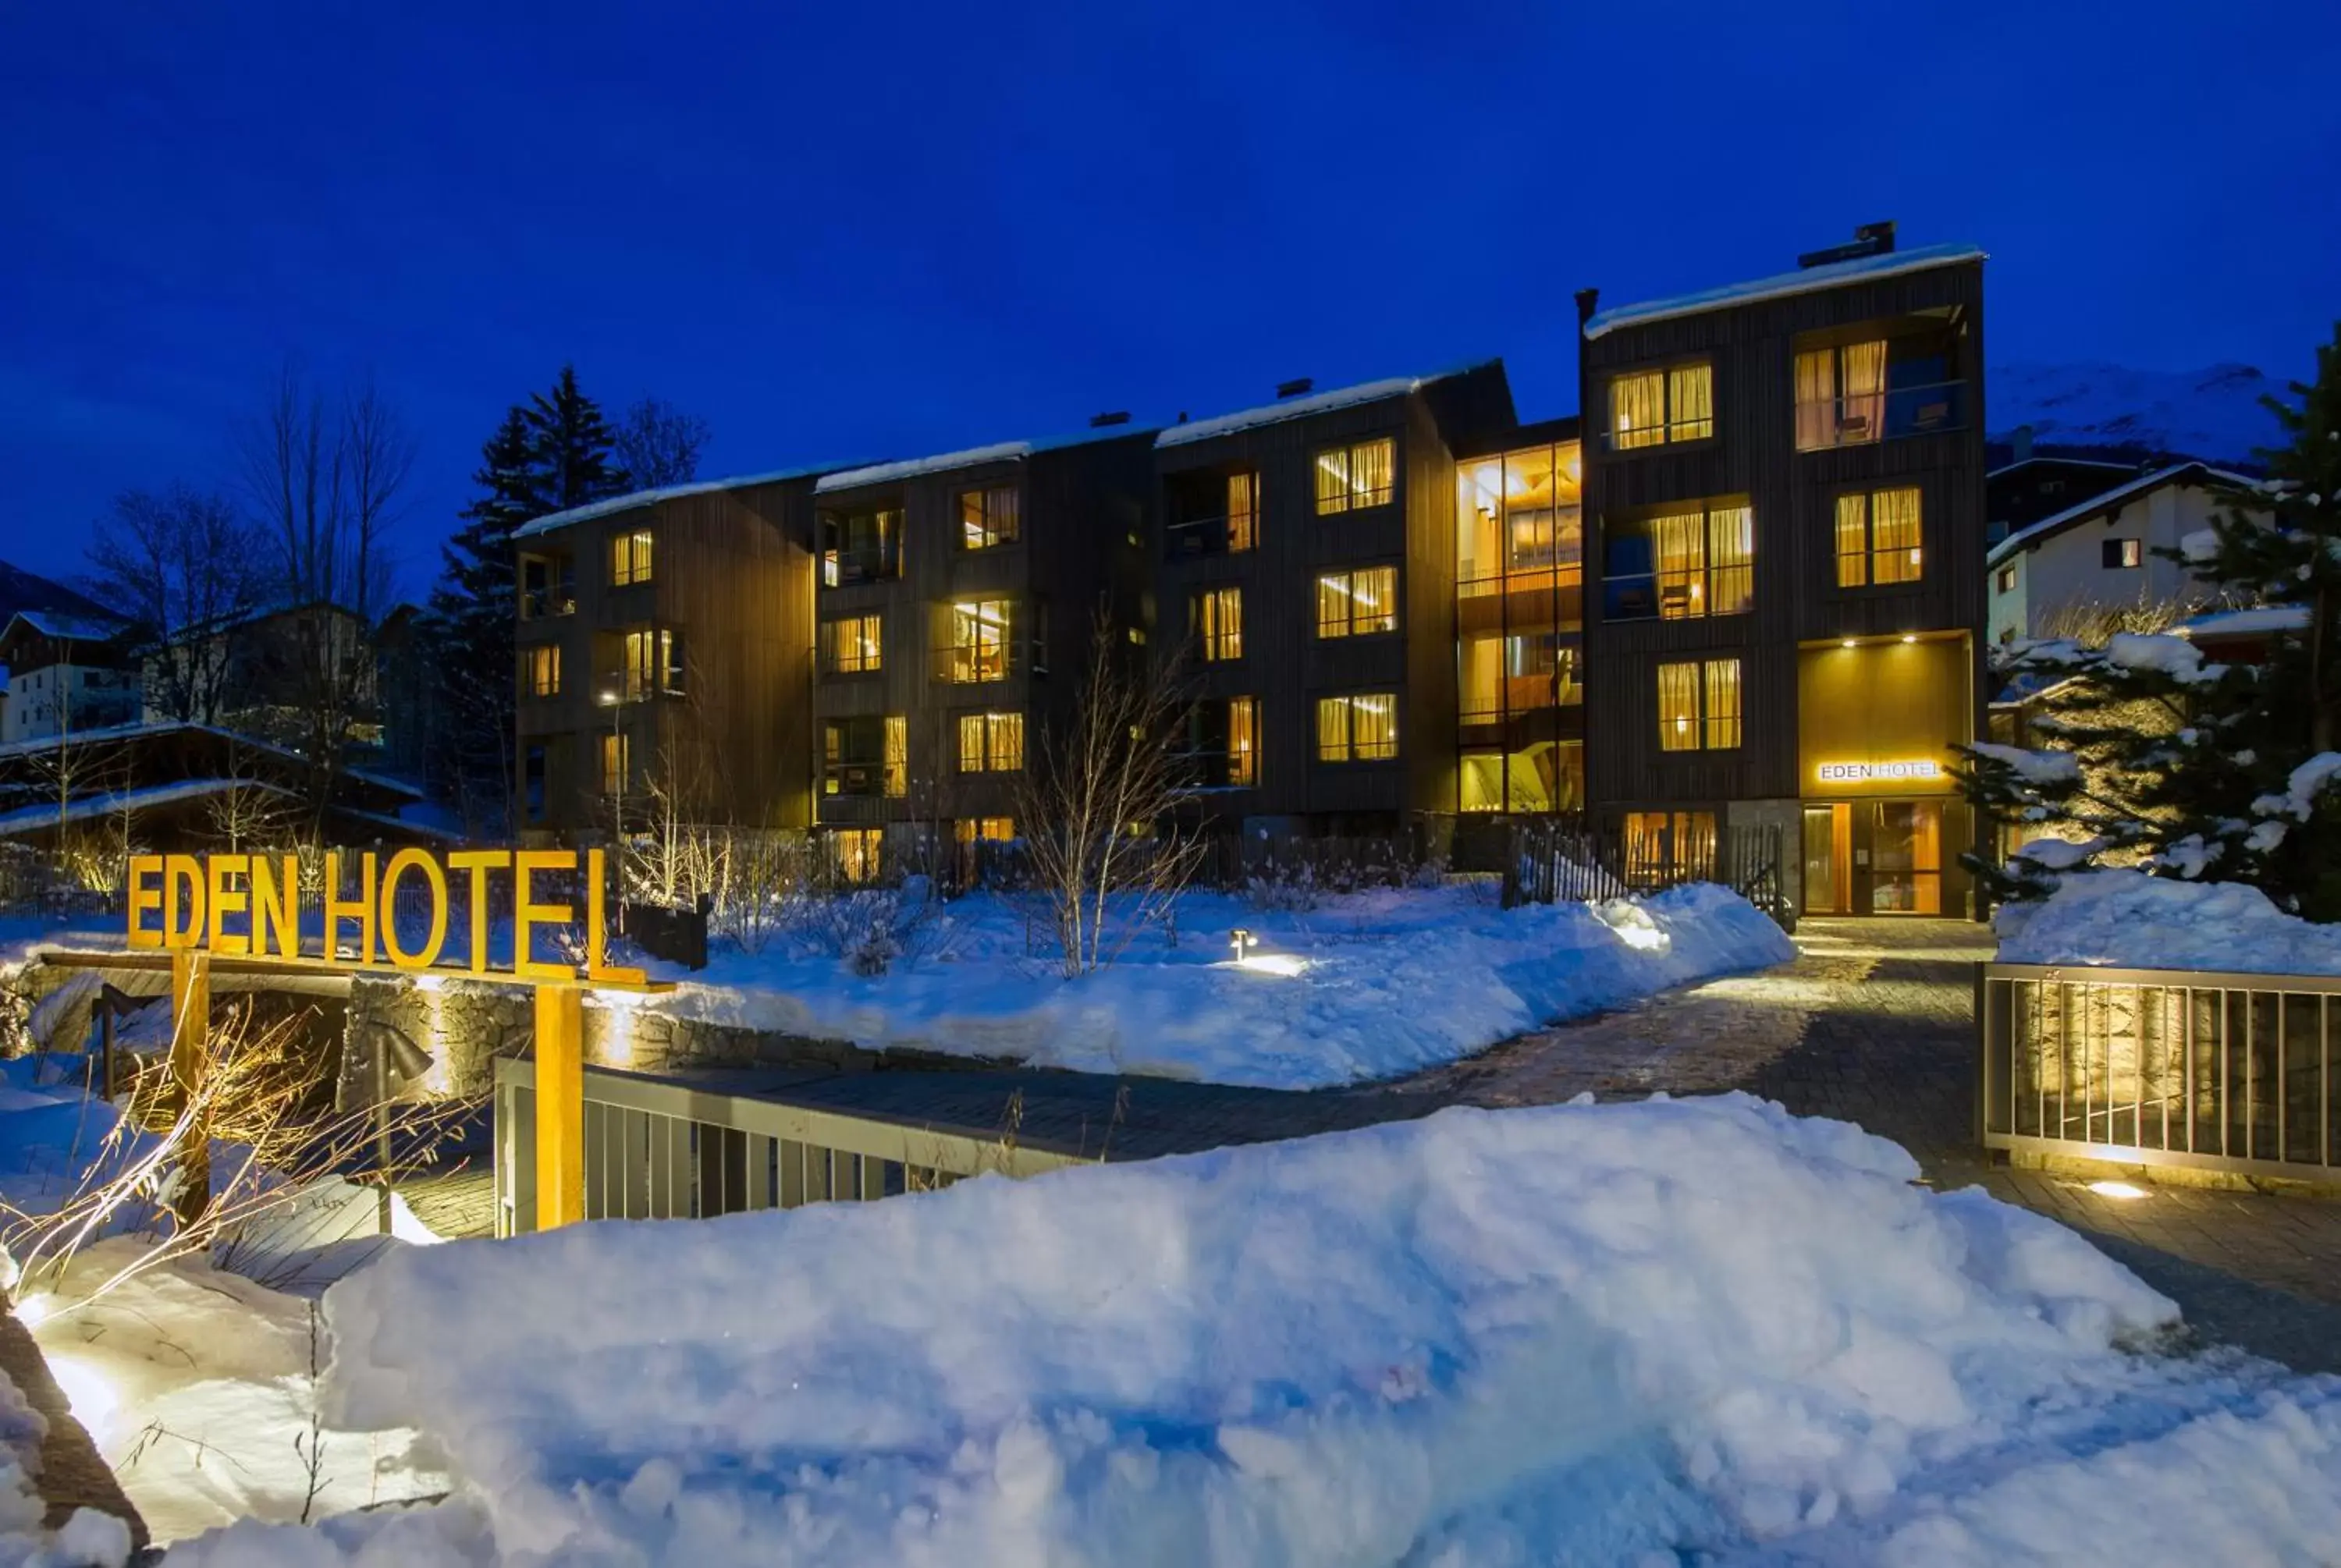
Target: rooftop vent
[[1295, 388], [1587, 300], [1099, 420], [1869, 239]]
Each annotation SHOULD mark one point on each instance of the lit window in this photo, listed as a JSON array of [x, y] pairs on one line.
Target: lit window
[[540, 671], [613, 763], [1650, 408], [2008, 579], [638, 674], [1243, 740], [852, 646], [1223, 742], [547, 587], [975, 643], [1681, 566], [991, 742], [1360, 728], [630, 558], [867, 757], [861, 546], [897, 756], [857, 852], [1699, 705], [1840, 396], [1877, 537], [971, 830], [987, 517], [1216, 619], [2123, 552], [1351, 478], [1357, 603], [1664, 847], [1243, 511]]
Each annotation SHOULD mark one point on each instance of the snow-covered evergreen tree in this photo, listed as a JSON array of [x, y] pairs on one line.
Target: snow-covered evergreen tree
[[2189, 767], [473, 608], [574, 446]]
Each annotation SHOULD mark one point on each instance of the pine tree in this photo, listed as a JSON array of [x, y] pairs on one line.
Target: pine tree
[[574, 446], [2188, 768], [473, 608]]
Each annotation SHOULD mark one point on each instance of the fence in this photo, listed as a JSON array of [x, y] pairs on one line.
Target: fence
[[1568, 859], [2179, 1067], [678, 1148]]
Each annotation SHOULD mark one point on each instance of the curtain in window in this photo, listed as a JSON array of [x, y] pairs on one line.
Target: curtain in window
[[1678, 707], [1244, 510], [1681, 546], [1815, 399], [1333, 480], [1333, 605], [1243, 740], [1223, 623], [1730, 559], [1373, 726], [1722, 704], [1694, 844], [1893, 535], [1375, 589], [1004, 741], [897, 756], [1852, 540], [1638, 409], [1863, 414], [1332, 729], [1372, 482], [1691, 403]]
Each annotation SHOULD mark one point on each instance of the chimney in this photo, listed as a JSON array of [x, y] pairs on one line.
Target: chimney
[[2022, 441], [1869, 240], [1099, 420], [1296, 387], [1587, 299]]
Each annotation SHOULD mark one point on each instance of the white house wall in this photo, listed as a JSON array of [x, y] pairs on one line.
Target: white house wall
[[2066, 568]]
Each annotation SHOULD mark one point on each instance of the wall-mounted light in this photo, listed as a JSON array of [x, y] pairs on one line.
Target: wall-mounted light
[[1909, 637], [1847, 643]]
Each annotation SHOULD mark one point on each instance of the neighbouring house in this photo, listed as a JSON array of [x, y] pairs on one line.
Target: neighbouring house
[[1377, 594], [266, 672], [66, 672], [2054, 570]]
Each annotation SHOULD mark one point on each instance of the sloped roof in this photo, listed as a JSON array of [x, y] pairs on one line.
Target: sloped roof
[[145, 731], [971, 457], [1804, 281], [1302, 407], [63, 626], [628, 502], [2110, 501]]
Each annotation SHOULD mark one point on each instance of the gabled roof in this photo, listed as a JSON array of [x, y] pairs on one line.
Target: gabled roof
[[2062, 462], [973, 456], [1302, 407], [157, 729], [1861, 270], [2111, 501], [640, 497], [62, 626]]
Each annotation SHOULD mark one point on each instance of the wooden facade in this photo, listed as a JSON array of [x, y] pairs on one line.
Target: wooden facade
[[730, 581]]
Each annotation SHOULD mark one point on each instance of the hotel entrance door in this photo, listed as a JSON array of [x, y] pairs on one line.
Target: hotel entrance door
[[1874, 858], [1829, 860]]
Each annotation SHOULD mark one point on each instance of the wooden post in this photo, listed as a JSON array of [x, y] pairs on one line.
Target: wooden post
[[191, 1014], [560, 1105]]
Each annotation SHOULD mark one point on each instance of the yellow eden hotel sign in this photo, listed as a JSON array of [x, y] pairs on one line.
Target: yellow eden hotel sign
[[248, 906]]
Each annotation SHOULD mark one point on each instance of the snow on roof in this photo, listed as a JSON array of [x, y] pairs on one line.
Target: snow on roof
[[65, 628], [1302, 407], [638, 498], [32, 819], [970, 457], [2257, 622], [2121, 495], [2065, 461], [1806, 280], [113, 732]]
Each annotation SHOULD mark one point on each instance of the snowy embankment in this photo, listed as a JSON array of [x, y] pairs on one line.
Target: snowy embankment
[[1366, 986], [2128, 919], [1634, 1333]]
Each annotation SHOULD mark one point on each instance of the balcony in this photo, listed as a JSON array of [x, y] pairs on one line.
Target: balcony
[[977, 664], [1518, 694], [844, 568], [1205, 536], [1860, 419]]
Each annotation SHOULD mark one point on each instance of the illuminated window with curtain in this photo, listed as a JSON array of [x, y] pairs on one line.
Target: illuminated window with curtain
[[987, 517], [638, 675], [853, 646], [1681, 566], [1699, 705], [1354, 477], [1840, 396], [1879, 537], [1222, 749], [1653, 408], [1215, 617], [1357, 603], [896, 743], [975, 641], [630, 558], [670, 660], [613, 763], [1663, 847], [856, 853], [540, 670], [1243, 511], [991, 742], [1243, 740], [1358, 729]]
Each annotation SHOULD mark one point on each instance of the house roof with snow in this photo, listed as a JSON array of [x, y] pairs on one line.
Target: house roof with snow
[[641, 498], [2106, 503], [61, 626], [1313, 404], [971, 457], [1780, 285], [2051, 460], [148, 733]]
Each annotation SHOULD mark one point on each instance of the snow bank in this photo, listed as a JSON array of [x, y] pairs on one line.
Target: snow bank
[[1367, 986], [1572, 1333], [2128, 919]]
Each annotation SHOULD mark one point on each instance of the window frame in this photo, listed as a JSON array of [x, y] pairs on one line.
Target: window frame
[[1343, 582], [1215, 623], [1697, 728], [1701, 582], [632, 557], [1000, 741], [959, 662], [540, 671], [1346, 498], [1348, 748], [1672, 429], [1869, 554], [2115, 554], [986, 532], [833, 531], [869, 639]]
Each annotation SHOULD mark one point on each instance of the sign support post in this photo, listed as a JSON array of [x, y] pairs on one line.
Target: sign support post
[[191, 1014], [560, 1105]]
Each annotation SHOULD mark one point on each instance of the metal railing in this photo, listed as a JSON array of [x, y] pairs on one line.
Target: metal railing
[[673, 1149], [1567, 858], [2197, 1069], [1855, 418], [1209, 536]]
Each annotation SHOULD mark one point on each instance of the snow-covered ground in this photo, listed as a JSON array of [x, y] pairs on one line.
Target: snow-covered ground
[[1631, 1334], [2128, 919], [1364, 985]]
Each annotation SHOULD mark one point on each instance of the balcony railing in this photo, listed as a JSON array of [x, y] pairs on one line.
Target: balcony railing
[[842, 568], [1857, 420], [536, 604], [863, 780], [1519, 694], [1524, 577], [975, 663], [1199, 536]]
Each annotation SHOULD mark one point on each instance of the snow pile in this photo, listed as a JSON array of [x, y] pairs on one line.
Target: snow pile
[[1691, 1329], [1365, 985], [2128, 919]]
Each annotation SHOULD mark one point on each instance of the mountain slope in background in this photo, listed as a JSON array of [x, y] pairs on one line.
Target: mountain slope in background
[[21, 589], [2213, 413]]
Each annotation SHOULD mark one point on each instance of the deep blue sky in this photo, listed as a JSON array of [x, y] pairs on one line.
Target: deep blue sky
[[869, 230]]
